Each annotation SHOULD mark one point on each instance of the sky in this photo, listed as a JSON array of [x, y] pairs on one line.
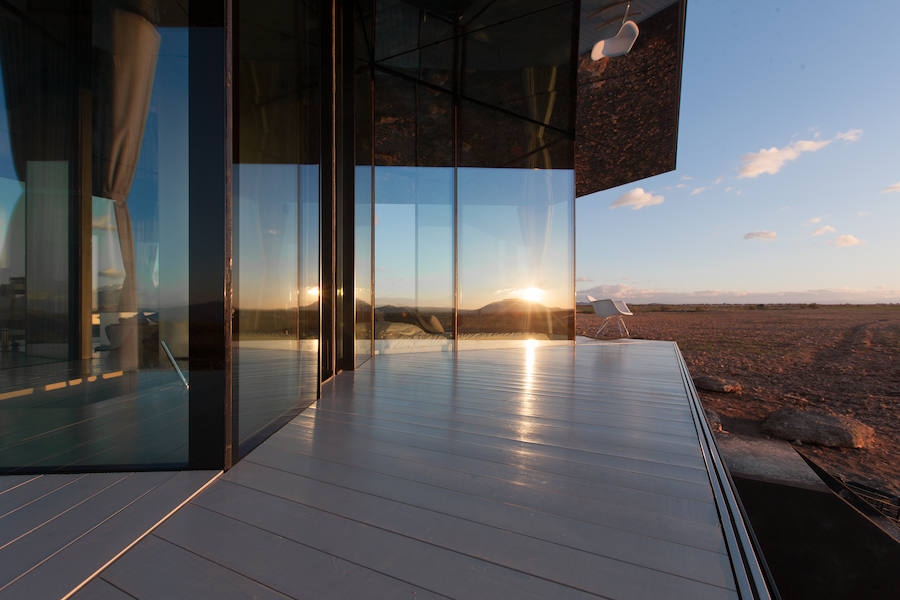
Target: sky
[[787, 186]]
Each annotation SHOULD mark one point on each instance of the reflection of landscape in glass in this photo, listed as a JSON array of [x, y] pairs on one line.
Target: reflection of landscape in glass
[[515, 248], [516, 236]]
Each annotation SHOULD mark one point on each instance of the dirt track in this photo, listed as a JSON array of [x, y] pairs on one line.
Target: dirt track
[[840, 359]]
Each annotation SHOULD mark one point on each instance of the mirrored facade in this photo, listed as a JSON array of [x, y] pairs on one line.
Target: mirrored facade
[[94, 196], [275, 329], [209, 209]]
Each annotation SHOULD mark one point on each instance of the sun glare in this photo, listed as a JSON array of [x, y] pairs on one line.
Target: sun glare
[[532, 294]]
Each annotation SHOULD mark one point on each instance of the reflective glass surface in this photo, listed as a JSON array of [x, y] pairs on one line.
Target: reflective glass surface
[[474, 184], [363, 183], [414, 197], [516, 247], [413, 258], [276, 218], [94, 331]]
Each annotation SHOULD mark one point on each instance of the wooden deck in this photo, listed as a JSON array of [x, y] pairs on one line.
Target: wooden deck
[[58, 530], [549, 472]]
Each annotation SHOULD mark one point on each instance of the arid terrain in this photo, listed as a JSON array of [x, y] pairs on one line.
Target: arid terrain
[[842, 360]]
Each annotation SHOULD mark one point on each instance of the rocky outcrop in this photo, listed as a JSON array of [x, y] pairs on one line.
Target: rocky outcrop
[[809, 427], [714, 420], [717, 384]]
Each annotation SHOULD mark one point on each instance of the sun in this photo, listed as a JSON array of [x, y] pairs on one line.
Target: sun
[[531, 294]]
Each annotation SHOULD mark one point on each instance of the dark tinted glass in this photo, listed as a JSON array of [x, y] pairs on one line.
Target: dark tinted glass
[[94, 196], [363, 180], [276, 178]]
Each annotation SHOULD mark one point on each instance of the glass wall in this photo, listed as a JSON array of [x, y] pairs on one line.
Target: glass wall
[[363, 179], [276, 217], [94, 327], [474, 179], [414, 194]]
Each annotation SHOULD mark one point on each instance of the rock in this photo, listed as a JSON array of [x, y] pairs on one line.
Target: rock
[[789, 423], [716, 384], [714, 420]]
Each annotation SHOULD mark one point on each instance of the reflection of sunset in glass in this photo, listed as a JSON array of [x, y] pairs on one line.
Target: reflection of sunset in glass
[[531, 294], [312, 292]]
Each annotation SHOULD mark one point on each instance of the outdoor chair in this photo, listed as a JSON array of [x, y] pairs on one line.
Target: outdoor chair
[[611, 309]]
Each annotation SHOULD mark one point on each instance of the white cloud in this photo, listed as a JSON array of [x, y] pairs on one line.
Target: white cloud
[[816, 220], [891, 188], [681, 186], [718, 180], [864, 213], [698, 190], [851, 135], [583, 278], [824, 229], [846, 240], [739, 192], [686, 177], [637, 199], [771, 160], [729, 188], [760, 235]]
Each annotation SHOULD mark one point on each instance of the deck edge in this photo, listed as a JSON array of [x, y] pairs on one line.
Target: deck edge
[[752, 576]]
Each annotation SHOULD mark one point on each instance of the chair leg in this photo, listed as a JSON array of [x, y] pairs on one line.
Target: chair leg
[[627, 333], [602, 326]]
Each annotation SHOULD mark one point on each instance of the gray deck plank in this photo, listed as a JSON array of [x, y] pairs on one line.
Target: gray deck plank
[[18, 497], [613, 457], [8, 482], [100, 589], [336, 440], [154, 498], [562, 564], [430, 445], [285, 565], [583, 414], [20, 557], [534, 491], [177, 573], [706, 565], [642, 444], [44, 511], [436, 569]]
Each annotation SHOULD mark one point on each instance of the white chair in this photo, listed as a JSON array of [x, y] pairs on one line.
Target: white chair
[[618, 45], [611, 309]]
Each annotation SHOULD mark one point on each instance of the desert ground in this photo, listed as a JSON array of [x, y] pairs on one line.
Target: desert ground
[[841, 360]]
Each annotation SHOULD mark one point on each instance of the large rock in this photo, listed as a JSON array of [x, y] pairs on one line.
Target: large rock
[[716, 384], [714, 420], [792, 424]]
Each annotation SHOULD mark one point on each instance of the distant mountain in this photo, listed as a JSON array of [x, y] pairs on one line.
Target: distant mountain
[[513, 305]]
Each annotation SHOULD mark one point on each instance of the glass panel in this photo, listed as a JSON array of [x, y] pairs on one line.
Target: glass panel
[[413, 258], [505, 67], [516, 254], [414, 181], [276, 179], [363, 186], [496, 139], [93, 269]]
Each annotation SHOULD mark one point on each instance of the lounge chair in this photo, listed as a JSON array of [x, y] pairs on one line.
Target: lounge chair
[[611, 309]]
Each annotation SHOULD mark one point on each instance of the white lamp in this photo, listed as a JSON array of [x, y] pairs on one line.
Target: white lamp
[[617, 45]]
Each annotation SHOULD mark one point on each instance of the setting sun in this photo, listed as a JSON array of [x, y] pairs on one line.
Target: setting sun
[[532, 294]]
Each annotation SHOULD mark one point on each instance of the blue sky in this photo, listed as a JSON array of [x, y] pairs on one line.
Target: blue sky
[[789, 127]]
